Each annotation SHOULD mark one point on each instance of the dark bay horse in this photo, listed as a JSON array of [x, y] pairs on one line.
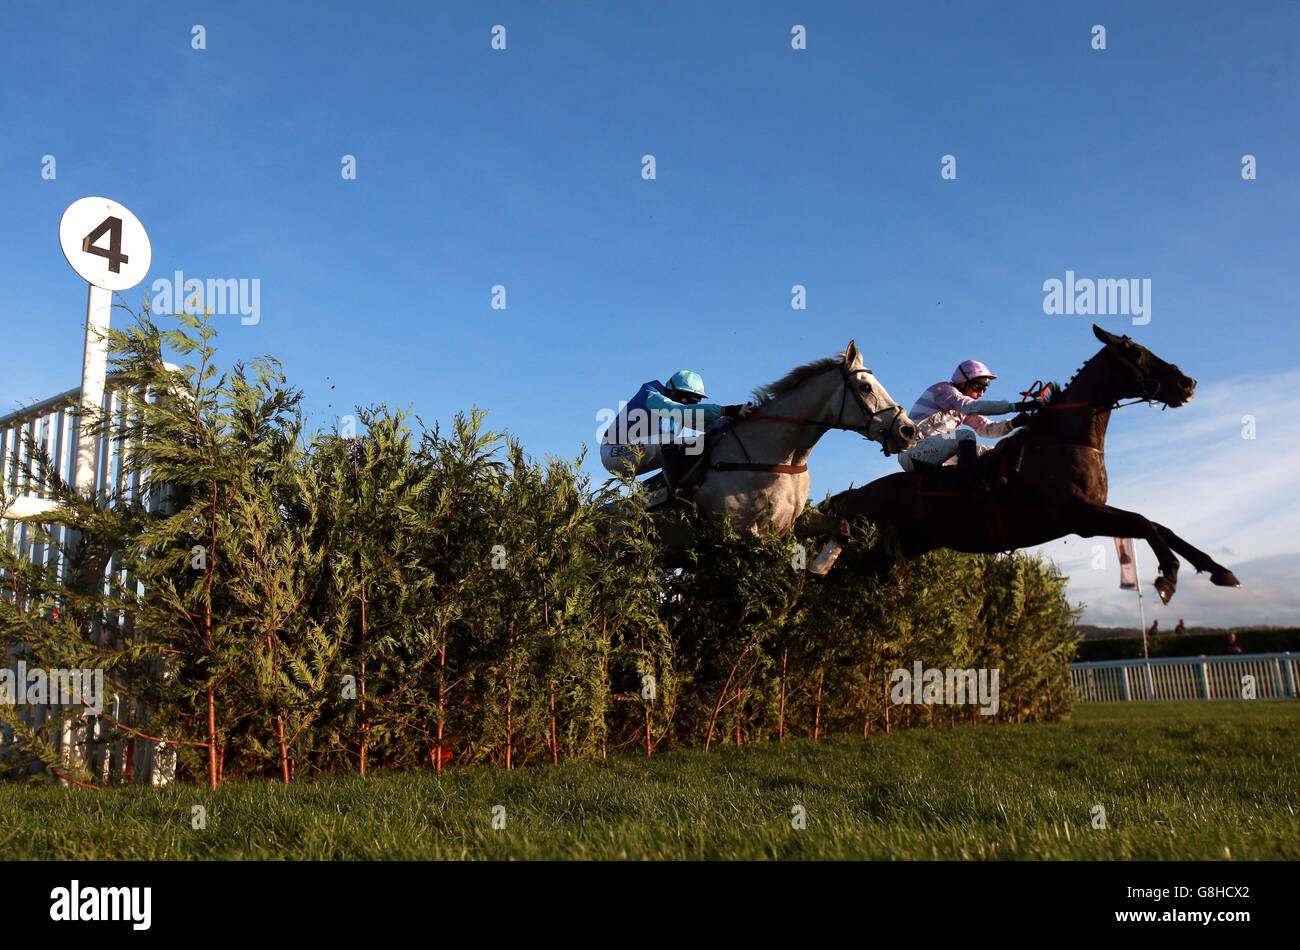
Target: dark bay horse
[[1048, 478]]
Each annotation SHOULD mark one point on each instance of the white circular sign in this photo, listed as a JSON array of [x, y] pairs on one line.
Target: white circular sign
[[105, 243]]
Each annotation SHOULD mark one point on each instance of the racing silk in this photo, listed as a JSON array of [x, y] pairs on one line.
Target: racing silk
[[944, 408], [650, 416]]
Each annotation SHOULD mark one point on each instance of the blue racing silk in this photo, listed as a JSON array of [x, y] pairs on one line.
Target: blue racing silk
[[650, 416]]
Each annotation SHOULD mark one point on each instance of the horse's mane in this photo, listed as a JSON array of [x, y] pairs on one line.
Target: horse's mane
[[1086, 364], [1075, 376], [765, 394]]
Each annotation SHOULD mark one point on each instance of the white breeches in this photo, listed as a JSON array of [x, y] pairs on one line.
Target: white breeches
[[938, 449], [646, 457]]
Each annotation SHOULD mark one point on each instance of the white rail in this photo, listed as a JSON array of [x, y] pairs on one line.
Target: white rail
[[1235, 676], [51, 426]]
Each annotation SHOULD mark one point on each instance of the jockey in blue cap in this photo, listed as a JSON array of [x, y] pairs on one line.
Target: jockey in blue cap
[[945, 407], [646, 433]]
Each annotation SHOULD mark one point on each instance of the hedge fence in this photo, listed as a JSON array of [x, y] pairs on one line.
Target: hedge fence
[[410, 597]]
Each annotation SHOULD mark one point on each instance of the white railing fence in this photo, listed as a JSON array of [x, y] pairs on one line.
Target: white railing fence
[[1235, 676], [52, 427]]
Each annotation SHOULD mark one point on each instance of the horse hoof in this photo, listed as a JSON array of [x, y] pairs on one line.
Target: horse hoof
[[826, 559], [1224, 579], [1165, 589]]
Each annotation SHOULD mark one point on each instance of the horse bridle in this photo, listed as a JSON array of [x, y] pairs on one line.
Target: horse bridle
[[1149, 385], [845, 374], [896, 409]]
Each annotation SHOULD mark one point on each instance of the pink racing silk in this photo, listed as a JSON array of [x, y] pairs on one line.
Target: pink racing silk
[[943, 408]]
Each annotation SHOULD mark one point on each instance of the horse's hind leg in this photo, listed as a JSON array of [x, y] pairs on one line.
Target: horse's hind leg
[[1091, 520], [1219, 575]]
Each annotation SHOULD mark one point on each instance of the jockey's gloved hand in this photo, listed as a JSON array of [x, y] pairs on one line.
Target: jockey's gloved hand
[[738, 410], [1020, 420], [1026, 406]]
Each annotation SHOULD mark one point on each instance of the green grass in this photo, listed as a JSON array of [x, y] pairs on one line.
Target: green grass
[[1189, 780]]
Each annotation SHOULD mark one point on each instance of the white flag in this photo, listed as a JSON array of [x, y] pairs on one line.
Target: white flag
[[1127, 564]]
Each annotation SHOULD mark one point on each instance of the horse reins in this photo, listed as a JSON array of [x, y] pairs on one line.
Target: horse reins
[[839, 418], [1149, 384], [751, 466]]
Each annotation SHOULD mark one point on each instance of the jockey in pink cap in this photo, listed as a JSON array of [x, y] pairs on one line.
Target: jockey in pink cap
[[945, 407]]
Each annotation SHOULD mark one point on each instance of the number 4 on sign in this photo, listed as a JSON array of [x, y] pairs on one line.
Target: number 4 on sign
[[105, 243], [113, 225], [85, 222]]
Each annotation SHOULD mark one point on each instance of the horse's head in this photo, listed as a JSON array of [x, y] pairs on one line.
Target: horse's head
[[1141, 374], [866, 407]]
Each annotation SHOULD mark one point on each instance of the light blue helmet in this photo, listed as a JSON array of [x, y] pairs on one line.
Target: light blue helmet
[[688, 382]]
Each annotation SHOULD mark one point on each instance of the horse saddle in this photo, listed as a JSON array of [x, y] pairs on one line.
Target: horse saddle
[[656, 492], [691, 471], [939, 479], [688, 471], [991, 468]]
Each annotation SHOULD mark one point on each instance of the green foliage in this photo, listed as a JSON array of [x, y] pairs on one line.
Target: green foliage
[[285, 604]]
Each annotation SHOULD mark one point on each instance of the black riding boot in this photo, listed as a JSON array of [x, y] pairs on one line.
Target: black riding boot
[[968, 465], [673, 467]]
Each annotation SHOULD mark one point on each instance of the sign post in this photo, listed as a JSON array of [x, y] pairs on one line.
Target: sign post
[[108, 247], [1129, 580]]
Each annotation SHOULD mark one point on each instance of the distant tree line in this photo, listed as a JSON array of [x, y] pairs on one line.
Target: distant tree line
[[1196, 643], [291, 604]]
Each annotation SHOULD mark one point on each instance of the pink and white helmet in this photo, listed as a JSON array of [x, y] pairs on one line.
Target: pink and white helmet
[[969, 370]]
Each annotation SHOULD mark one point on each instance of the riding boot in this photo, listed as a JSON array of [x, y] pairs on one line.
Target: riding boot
[[674, 466], [968, 465]]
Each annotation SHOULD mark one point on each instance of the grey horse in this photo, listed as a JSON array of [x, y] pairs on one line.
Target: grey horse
[[757, 468]]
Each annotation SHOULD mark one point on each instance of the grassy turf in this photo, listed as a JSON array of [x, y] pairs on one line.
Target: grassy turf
[[1191, 780]]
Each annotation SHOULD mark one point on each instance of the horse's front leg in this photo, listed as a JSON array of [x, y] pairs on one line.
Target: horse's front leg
[[1090, 520], [814, 523], [1219, 575]]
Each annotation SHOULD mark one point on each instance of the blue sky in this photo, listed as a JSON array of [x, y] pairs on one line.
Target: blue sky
[[775, 167]]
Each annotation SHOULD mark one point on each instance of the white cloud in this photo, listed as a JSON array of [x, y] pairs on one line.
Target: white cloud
[[1269, 596]]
